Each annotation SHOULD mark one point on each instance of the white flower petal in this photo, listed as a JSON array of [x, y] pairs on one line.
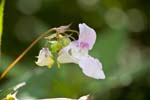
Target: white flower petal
[[72, 53], [45, 58], [19, 86], [81, 98], [92, 67], [78, 52], [58, 99], [65, 56], [86, 97], [87, 35]]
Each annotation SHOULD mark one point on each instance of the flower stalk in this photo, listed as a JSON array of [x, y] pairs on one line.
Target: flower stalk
[[24, 52]]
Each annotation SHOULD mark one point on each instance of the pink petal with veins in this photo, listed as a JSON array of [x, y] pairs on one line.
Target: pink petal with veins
[[87, 35]]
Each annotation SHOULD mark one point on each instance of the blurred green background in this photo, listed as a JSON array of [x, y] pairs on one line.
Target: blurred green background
[[122, 45]]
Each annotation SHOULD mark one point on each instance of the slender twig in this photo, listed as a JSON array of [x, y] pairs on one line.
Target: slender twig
[[24, 52], [69, 36], [74, 31]]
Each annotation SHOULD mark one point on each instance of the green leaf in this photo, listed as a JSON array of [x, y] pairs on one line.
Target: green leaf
[[1, 19]]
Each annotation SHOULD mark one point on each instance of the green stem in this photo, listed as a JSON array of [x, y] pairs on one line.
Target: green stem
[[2, 3]]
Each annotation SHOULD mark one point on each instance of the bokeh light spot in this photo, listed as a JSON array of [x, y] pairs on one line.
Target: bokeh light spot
[[136, 20], [115, 18], [29, 7]]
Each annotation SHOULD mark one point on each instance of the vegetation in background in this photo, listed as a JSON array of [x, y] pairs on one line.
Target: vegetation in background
[[1, 21], [122, 45]]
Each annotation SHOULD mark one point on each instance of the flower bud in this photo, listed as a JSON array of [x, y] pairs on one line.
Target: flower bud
[[56, 46], [65, 41]]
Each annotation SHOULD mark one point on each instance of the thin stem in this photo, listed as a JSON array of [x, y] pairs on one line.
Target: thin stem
[[24, 52], [69, 36], [74, 31]]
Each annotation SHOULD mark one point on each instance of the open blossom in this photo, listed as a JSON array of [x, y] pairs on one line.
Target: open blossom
[[45, 58], [77, 52]]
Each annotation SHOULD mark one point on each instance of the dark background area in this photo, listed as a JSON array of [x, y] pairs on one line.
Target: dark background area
[[122, 45]]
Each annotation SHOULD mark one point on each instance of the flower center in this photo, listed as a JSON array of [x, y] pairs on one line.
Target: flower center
[[81, 44], [84, 45], [78, 52]]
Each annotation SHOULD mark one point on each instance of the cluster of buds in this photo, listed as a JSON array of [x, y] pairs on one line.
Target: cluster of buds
[[69, 50]]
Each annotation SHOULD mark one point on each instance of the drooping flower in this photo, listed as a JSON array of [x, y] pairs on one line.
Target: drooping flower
[[77, 52], [45, 58]]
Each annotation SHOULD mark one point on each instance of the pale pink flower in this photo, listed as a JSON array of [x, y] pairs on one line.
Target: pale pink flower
[[77, 52]]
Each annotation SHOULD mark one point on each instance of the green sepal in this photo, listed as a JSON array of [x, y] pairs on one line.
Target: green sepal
[[56, 46]]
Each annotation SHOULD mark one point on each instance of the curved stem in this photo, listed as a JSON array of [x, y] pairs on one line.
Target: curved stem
[[74, 31], [69, 36], [24, 52]]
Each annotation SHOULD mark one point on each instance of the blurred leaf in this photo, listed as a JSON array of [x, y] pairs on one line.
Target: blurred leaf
[[1, 19], [108, 46]]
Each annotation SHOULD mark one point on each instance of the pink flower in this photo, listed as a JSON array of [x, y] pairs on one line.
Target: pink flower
[[77, 52]]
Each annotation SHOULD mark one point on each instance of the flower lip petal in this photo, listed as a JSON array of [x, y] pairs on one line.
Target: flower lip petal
[[92, 67], [87, 35]]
